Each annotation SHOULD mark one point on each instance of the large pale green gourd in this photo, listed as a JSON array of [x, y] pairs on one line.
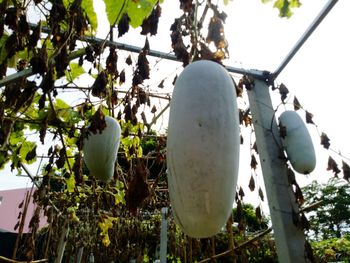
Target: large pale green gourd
[[297, 142], [100, 150], [203, 148]]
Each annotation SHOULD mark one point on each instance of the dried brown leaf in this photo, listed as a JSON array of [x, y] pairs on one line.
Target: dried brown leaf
[[255, 147], [186, 5], [261, 194], [128, 60], [241, 192], [239, 212], [143, 66], [291, 176], [299, 195], [138, 189], [332, 165], [98, 89], [111, 61], [282, 131], [346, 171], [308, 117], [122, 77], [161, 84], [31, 154], [123, 24], [296, 104], [216, 33], [305, 224], [283, 91], [325, 140], [98, 122], [150, 24], [154, 109], [253, 162], [251, 183], [258, 214]]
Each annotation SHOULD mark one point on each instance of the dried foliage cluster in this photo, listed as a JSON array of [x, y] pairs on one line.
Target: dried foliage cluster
[[121, 219]]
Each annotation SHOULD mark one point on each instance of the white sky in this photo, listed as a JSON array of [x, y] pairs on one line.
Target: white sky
[[259, 39]]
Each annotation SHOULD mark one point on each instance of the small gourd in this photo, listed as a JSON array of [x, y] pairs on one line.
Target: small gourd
[[203, 148], [297, 142], [100, 150]]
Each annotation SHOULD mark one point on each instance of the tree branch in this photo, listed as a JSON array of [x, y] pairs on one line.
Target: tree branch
[[241, 246], [15, 261]]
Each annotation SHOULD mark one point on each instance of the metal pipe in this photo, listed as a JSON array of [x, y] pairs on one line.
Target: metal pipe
[[122, 46], [164, 235], [323, 13], [29, 71]]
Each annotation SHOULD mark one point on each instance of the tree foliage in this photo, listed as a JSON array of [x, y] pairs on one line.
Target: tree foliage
[[333, 249], [331, 219], [284, 6]]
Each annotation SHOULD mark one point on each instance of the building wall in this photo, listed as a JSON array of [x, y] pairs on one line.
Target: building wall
[[9, 211]]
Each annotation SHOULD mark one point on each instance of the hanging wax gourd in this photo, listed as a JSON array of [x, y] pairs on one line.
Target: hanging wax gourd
[[297, 142], [100, 150], [203, 148]]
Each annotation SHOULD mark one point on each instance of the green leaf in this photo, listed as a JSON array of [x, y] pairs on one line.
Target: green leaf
[[16, 137], [66, 3], [119, 197], [60, 104], [114, 10], [139, 10], [75, 71], [70, 182], [284, 6], [88, 7], [3, 159], [294, 3], [3, 51], [66, 113], [139, 152], [226, 2], [27, 147]]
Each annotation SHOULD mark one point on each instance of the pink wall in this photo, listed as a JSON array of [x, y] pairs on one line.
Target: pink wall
[[9, 210]]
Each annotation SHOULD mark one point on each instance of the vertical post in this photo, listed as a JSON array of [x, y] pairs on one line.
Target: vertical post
[[80, 254], [164, 235], [62, 243], [290, 240]]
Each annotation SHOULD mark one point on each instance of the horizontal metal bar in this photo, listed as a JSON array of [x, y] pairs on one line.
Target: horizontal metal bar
[[29, 71], [122, 46], [169, 56], [253, 73], [323, 13]]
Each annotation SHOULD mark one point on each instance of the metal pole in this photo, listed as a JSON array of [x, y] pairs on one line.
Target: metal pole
[[29, 71], [62, 243], [328, 7], [164, 235], [122, 46], [290, 240]]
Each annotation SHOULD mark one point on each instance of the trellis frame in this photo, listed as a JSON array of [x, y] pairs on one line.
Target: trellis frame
[[290, 240]]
